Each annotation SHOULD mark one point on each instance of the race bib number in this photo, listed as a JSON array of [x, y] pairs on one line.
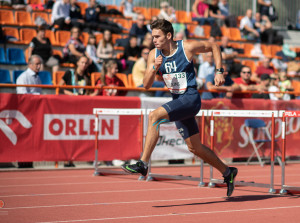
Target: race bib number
[[176, 82]]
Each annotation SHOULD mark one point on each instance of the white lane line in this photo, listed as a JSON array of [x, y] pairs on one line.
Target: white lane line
[[176, 214], [102, 192], [71, 183], [113, 203]]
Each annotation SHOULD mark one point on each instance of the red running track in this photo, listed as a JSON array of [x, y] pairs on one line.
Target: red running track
[[78, 196]]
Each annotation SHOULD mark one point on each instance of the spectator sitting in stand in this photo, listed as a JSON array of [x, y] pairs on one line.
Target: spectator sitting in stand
[[148, 41], [61, 15], [94, 22], [139, 70], [91, 50], [132, 53], [201, 13], [153, 18], [75, 15], [229, 86], [77, 77], [246, 84], [230, 20], [128, 9], [20, 4], [214, 12], [109, 78], [266, 8], [31, 76], [207, 68], [165, 13], [247, 28], [229, 54], [274, 87], [139, 29], [41, 45], [264, 83], [74, 48], [264, 68], [267, 34], [105, 49]]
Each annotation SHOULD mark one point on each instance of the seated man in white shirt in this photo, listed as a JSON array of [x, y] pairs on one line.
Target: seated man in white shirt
[[30, 76], [206, 68], [247, 28], [61, 14]]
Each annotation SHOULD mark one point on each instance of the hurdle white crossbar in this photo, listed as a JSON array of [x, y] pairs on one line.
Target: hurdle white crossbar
[[252, 114], [285, 188], [113, 111], [155, 176]]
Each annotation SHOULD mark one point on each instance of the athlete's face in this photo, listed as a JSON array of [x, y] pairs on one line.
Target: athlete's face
[[159, 38]]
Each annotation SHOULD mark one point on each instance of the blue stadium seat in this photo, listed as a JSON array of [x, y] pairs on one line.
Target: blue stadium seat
[[15, 56], [16, 74], [5, 77], [2, 56], [45, 77]]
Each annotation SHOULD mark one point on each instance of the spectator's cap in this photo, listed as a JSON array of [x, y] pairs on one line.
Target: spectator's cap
[[164, 4], [264, 77]]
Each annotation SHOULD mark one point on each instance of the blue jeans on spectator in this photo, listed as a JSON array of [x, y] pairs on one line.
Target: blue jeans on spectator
[[158, 84], [202, 21]]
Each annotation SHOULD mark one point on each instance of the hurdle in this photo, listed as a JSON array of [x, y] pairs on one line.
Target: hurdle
[[154, 176], [245, 113], [285, 189], [110, 111]]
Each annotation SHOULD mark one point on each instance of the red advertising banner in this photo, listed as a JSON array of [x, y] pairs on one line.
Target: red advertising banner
[[231, 139], [56, 128]]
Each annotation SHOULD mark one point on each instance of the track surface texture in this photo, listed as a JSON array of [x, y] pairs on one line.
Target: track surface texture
[[78, 196]]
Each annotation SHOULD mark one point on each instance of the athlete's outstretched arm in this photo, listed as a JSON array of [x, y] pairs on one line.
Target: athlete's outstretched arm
[[153, 65], [193, 47]]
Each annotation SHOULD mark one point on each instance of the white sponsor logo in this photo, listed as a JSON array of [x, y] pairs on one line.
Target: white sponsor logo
[[8, 115], [79, 127]]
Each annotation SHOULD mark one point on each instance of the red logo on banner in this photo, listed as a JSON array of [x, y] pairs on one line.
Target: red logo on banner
[[223, 130], [9, 115], [1, 204]]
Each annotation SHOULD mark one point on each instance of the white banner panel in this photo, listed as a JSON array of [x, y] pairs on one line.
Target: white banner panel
[[170, 144]]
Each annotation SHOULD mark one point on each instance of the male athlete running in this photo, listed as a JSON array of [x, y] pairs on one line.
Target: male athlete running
[[173, 60]]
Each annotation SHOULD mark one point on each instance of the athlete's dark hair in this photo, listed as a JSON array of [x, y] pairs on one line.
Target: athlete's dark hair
[[164, 25]]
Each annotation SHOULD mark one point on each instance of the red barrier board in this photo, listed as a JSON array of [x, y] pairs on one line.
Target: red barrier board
[[231, 139], [56, 128]]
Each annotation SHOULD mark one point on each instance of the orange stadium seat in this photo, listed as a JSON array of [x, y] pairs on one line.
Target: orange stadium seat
[[51, 36], [99, 36], [83, 6], [94, 77], [130, 81], [26, 35], [123, 77], [84, 38], [247, 49], [124, 23], [225, 31], [250, 63], [266, 49], [10, 31], [56, 77], [181, 16], [62, 37], [275, 49], [43, 15], [7, 17], [115, 37], [144, 11], [191, 28], [34, 2], [153, 11], [207, 29], [23, 18], [235, 34]]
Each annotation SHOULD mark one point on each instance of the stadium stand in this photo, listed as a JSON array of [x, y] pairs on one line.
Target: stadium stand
[[15, 56], [16, 74], [5, 76], [2, 56]]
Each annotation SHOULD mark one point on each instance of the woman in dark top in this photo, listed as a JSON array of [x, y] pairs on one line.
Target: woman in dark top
[[40, 45], [77, 77]]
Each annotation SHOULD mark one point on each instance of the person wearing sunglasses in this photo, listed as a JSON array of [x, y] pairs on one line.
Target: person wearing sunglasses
[[246, 84]]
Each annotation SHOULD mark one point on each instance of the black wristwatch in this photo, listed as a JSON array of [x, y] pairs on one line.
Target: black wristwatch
[[220, 70]]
